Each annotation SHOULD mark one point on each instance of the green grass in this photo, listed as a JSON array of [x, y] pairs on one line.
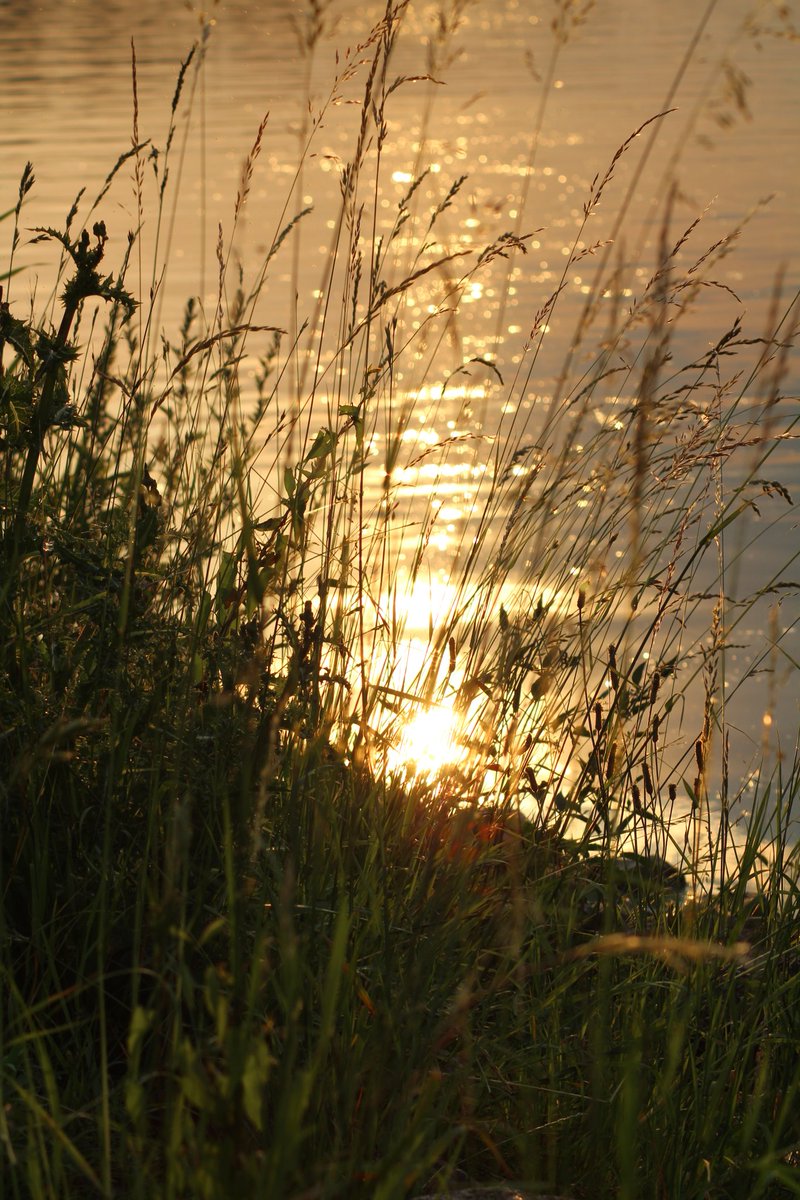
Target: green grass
[[244, 952]]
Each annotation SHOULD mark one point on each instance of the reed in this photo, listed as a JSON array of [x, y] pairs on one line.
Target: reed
[[252, 940]]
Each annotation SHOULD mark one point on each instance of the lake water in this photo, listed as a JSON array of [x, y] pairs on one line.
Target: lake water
[[65, 98], [732, 142]]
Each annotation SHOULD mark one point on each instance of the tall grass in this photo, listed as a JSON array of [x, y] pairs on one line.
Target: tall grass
[[252, 942]]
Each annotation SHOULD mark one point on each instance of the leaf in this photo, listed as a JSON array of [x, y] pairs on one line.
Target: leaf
[[258, 580], [204, 611], [254, 1079], [226, 579], [141, 1022], [270, 524], [333, 976], [134, 1101], [10, 274], [193, 1082], [16, 333], [322, 446]]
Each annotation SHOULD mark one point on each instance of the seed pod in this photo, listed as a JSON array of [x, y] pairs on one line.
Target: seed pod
[[612, 666], [612, 754], [598, 718], [637, 798], [648, 782], [581, 600], [656, 723], [673, 793], [698, 753], [451, 645], [308, 621], [656, 680]]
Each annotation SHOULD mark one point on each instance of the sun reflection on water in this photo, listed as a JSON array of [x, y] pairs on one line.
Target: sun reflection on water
[[438, 714], [428, 743]]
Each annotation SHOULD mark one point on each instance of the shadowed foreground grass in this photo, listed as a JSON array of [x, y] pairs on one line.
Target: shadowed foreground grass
[[242, 956]]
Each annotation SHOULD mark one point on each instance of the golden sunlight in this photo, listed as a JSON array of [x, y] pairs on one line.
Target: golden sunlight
[[427, 743]]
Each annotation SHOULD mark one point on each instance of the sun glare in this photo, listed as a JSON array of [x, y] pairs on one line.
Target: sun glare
[[428, 742]]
